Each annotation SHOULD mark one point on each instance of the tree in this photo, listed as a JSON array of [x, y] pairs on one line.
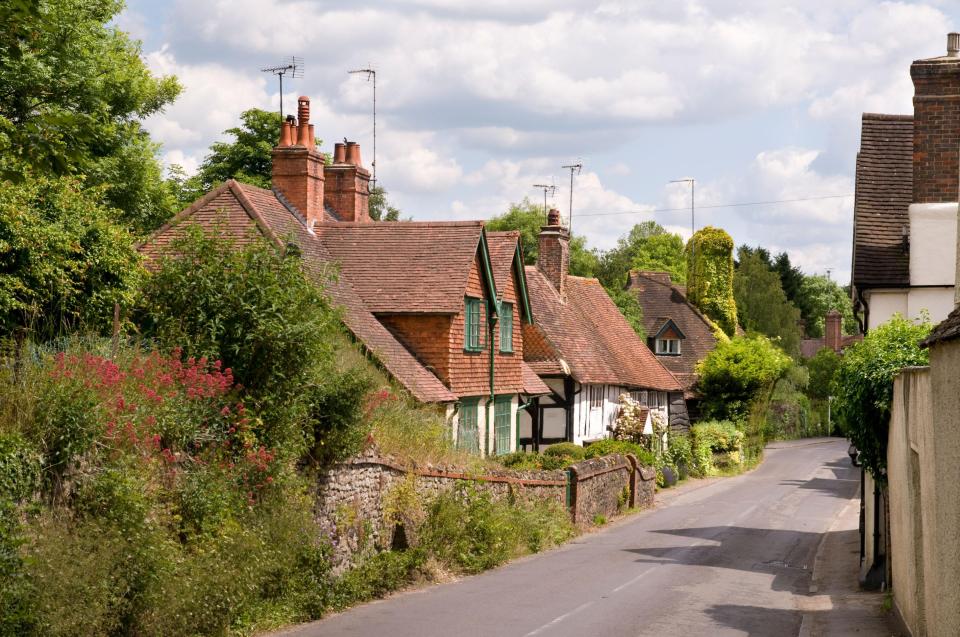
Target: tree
[[863, 386], [75, 90], [630, 307], [380, 208], [761, 304], [64, 261], [791, 278], [648, 246], [734, 374], [248, 158], [710, 276], [819, 295], [528, 218], [823, 367]]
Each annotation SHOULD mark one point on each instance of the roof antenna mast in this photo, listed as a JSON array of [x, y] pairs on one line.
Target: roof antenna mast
[[293, 66], [371, 74], [546, 188], [573, 168]]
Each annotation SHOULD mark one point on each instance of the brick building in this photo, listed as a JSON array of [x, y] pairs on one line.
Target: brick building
[[440, 306]]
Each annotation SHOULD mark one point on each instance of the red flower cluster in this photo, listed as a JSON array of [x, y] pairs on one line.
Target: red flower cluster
[[169, 412]]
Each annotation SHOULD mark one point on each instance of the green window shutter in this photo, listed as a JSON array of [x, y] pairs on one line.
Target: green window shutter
[[468, 435], [506, 328], [501, 424]]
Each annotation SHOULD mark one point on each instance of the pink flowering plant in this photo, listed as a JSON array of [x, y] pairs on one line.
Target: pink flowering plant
[[170, 414]]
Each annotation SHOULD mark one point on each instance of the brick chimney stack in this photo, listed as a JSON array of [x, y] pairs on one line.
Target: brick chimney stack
[[936, 125], [298, 165], [348, 184], [831, 330], [553, 252]]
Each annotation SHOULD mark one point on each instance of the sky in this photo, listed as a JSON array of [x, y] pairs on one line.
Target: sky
[[757, 100]]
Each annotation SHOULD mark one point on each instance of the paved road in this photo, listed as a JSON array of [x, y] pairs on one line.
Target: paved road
[[730, 558]]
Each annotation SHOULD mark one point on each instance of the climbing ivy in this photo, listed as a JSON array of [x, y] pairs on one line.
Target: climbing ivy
[[710, 276]]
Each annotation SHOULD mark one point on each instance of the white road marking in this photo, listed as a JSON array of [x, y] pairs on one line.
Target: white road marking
[[559, 619]]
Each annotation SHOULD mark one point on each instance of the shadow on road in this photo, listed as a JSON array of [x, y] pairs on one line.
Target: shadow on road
[[785, 554], [756, 621], [838, 488]]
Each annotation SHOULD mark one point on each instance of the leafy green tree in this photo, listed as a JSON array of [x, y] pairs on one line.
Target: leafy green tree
[[735, 374], [75, 91], [710, 276], [761, 304], [630, 307], [863, 386], [791, 278], [823, 367], [528, 218], [648, 246], [380, 208], [819, 295], [247, 158], [64, 261]]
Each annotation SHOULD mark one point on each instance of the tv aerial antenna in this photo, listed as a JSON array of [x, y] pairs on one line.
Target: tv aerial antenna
[[574, 169], [371, 74], [292, 66], [547, 188]]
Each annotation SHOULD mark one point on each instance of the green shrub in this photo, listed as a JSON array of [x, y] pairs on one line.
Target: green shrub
[[17, 615], [680, 454], [376, 576], [566, 450], [736, 373], [609, 446], [711, 439], [20, 467], [522, 461], [335, 412], [599, 519], [468, 530]]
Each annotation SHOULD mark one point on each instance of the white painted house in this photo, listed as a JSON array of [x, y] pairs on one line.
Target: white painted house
[[584, 350], [905, 229]]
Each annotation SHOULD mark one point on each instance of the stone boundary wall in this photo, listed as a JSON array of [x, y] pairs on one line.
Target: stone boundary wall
[[352, 497]]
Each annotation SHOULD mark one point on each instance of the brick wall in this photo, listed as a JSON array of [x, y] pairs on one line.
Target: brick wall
[[553, 257], [426, 336], [298, 174], [351, 496], [469, 371], [347, 191], [936, 129]]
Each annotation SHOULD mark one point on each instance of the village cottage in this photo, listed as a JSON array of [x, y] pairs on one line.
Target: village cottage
[[677, 333], [585, 351], [440, 306], [905, 226]]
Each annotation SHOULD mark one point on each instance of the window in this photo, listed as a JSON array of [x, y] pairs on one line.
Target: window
[[668, 346], [596, 396], [639, 396], [506, 327], [468, 437], [474, 337], [501, 424]]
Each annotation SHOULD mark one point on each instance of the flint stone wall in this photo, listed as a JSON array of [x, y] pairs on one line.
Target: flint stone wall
[[351, 496]]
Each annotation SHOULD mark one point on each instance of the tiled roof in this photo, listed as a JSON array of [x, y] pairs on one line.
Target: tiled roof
[[503, 248], [884, 191], [242, 207], [532, 385], [947, 330], [810, 346], [662, 301], [406, 266], [592, 337]]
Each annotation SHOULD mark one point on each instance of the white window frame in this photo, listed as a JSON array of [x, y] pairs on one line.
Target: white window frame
[[665, 346]]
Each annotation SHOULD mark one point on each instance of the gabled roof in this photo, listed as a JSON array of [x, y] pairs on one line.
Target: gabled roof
[[404, 267], [590, 335], [532, 385], [662, 301], [884, 190], [667, 323], [947, 330], [506, 258], [240, 208]]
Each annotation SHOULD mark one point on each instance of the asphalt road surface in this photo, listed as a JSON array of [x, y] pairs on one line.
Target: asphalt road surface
[[730, 558]]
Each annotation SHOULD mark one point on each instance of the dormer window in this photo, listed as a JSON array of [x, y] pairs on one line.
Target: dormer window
[[668, 346]]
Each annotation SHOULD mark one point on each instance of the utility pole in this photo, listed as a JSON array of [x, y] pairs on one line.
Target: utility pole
[[546, 188], [292, 65], [572, 167], [693, 224], [371, 74]]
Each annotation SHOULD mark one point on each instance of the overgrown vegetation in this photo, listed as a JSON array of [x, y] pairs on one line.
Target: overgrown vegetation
[[710, 276], [864, 385]]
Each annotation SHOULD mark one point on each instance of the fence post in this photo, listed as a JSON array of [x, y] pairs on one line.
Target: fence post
[[633, 479], [572, 493]]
